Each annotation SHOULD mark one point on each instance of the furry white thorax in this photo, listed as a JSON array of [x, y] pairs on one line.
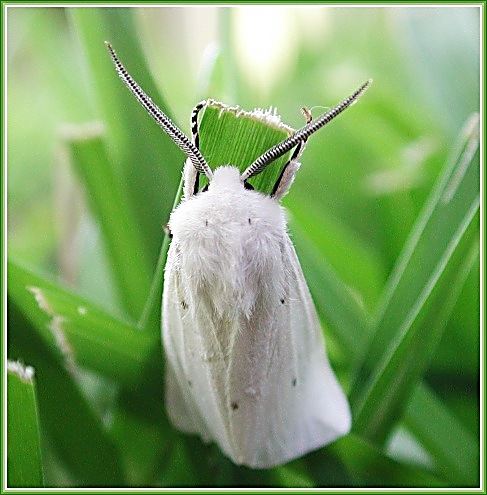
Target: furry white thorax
[[228, 240]]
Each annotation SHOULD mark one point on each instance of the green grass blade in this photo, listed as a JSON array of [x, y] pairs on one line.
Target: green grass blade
[[108, 202], [347, 321], [335, 302], [151, 316], [148, 163], [286, 476], [371, 468], [78, 330], [230, 136], [75, 432], [421, 293], [455, 450], [353, 262], [24, 463], [452, 448]]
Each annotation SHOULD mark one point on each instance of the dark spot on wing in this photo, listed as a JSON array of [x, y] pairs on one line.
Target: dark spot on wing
[[234, 406]]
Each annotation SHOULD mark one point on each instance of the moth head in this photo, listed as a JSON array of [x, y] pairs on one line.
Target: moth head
[[227, 177]]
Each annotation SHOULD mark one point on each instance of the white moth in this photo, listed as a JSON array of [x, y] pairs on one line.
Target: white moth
[[246, 362]]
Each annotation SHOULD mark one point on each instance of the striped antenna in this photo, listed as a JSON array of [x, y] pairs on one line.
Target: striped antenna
[[301, 135], [171, 129]]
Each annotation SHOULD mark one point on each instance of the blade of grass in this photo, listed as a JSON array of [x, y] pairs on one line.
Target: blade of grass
[[421, 293], [286, 476], [24, 463], [142, 445], [455, 450], [108, 202], [150, 319], [335, 301], [230, 82], [372, 468], [389, 388], [347, 321], [75, 432], [231, 136], [148, 163], [355, 263], [82, 333]]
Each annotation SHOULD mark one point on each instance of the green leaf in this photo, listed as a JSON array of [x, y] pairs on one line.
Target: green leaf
[[421, 293], [372, 468], [24, 455], [142, 445], [231, 136], [455, 450], [150, 319], [110, 206], [76, 434], [148, 164], [439, 432], [77, 330], [357, 265], [288, 477], [335, 301]]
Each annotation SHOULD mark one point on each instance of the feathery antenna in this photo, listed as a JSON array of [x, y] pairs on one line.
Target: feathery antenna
[[301, 135], [171, 129]]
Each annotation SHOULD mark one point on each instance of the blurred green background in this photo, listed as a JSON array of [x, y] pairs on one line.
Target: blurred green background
[[383, 212]]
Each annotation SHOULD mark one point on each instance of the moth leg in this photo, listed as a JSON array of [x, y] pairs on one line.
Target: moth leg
[[286, 177]]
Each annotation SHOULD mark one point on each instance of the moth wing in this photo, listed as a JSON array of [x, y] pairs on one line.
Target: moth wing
[[270, 395], [326, 403], [179, 400], [286, 398], [195, 369]]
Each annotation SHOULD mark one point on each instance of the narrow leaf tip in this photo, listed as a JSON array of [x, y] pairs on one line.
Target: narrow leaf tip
[[25, 373]]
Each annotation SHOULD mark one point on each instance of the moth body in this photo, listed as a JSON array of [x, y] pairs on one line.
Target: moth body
[[246, 365], [246, 360]]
